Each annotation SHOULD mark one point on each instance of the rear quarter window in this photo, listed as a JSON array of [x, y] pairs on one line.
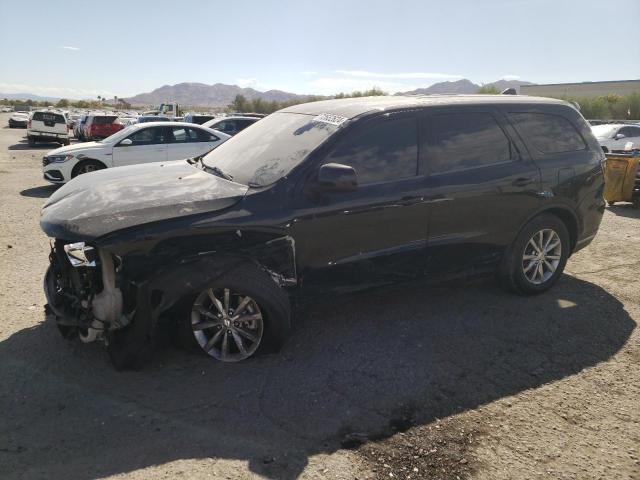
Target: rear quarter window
[[548, 133]]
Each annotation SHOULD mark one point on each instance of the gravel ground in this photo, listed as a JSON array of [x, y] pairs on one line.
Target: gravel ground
[[458, 381]]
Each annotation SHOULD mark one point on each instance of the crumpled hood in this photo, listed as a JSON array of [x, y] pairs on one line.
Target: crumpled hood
[[94, 204]]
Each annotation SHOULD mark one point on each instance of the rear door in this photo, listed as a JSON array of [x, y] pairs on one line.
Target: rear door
[[182, 142], [147, 145], [49, 122], [481, 187]]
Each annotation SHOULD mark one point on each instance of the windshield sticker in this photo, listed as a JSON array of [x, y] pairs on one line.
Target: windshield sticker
[[329, 118]]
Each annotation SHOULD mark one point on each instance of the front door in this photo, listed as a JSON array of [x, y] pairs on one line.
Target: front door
[[375, 234], [147, 145]]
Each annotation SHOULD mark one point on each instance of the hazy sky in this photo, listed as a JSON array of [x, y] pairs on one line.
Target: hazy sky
[[83, 49]]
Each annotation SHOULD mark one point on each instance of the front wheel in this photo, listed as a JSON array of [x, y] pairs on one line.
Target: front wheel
[[86, 166], [536, 259], [240, 314]]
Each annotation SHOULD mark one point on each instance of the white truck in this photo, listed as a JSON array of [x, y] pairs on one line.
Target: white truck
[[169, 110]]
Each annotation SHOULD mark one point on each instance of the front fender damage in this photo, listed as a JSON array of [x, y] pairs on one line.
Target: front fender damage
[[162, 290]]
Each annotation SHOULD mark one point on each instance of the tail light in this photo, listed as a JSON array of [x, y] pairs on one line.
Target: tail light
[[29, 124]]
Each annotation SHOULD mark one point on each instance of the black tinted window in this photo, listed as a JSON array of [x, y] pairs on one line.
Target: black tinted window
[[549, 133], [630, 131], [48, 117], [104, 120], [384, 151], [242, 124], [203, 136], [147, 136], [455, 141]]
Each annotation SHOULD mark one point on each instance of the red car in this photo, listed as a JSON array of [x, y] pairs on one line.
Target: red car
[[101, 126]]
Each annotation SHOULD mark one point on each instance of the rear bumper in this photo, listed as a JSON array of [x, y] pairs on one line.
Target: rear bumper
[[62, 136]]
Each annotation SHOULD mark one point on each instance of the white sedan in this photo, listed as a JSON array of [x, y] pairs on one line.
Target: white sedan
[[142, 143], [616, 136]]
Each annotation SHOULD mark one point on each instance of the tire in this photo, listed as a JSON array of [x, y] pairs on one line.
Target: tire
[[87, 166], [66, 143], [521, 261], [31, 141], [267, 300]]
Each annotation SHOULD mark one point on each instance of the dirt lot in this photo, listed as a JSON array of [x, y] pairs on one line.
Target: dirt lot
[[448, 382]]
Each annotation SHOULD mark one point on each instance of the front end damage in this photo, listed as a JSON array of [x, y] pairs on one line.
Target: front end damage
[[83, 292], [93, 296]]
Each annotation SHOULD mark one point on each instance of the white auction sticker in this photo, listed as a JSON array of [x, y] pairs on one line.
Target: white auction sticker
[[330, 118]]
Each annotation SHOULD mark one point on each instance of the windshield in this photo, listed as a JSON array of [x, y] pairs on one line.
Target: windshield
[[120, 135], [270, 148], [604, 131]]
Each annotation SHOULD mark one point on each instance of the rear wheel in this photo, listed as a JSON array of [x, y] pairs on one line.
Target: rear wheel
[[86, 166], [536, 259], [240, 314]]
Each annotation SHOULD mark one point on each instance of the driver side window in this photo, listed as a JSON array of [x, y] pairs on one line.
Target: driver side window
[[146, 136], [384, 151]]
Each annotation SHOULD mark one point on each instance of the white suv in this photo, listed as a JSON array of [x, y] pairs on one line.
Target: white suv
[[47, 126], [141, 143]]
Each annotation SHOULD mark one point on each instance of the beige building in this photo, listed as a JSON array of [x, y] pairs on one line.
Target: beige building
[[582, 90]]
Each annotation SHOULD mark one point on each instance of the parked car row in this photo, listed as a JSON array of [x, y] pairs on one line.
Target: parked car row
[[314, 200], [140, 143]]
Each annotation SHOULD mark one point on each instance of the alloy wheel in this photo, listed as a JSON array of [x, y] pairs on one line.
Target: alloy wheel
[[541, 256], [227, 324]]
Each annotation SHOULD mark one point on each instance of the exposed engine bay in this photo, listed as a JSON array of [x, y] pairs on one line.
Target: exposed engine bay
[[82, 292]]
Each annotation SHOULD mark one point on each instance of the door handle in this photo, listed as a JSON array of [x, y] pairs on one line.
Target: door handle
[[523, 182]]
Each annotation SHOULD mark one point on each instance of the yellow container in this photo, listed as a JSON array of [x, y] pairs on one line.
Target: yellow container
[[620, 177]]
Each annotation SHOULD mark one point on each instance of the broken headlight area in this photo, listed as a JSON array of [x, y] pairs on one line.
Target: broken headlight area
[[83, 292], [81, 255]]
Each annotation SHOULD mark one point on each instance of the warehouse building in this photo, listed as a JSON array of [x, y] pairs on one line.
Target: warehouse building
[[583, 89]]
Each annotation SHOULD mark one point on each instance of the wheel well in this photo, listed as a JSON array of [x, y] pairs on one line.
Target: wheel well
[[570, 222], [85, 160]]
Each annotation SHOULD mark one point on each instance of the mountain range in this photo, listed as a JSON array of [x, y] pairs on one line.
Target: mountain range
[[221, 95], [465, 86]]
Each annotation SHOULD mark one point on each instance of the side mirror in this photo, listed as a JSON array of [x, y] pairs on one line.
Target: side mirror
[[335, 177], [619, 136], [125, 143]]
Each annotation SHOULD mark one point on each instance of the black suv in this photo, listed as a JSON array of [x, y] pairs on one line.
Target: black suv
[[320, 198]]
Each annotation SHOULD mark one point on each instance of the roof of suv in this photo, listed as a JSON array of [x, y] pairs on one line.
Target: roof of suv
[[352, 107]]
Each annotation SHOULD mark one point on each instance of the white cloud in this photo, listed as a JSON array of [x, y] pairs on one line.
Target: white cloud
[[247, 82], [53, 91], [403, 75], [333, 85], [309, 72], [71, 48], [511, 77]]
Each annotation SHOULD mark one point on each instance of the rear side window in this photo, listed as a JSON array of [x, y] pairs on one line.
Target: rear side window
[[203, 136], [382, 152], [630, 131], [456, 141], [549, 133], [103, 120]]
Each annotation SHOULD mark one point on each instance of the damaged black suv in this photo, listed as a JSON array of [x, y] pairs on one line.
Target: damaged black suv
[[315, 199]]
